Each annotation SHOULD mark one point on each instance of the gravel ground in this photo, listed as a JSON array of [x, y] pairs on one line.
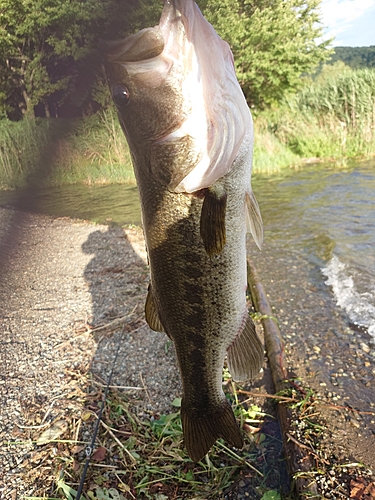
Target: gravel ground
[[62, 278], [330, 355], [59, 278]]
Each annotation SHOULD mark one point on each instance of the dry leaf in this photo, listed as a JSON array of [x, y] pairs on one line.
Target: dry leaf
[[370, 490], [76, 449], [249, 429], [99, 454], [52, 433], [356, 490], [360, 490]]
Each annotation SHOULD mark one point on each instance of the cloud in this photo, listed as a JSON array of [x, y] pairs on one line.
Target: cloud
[[339, 16], [337, 11]]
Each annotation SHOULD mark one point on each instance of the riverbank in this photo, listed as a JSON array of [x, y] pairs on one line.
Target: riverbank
[[61, 278], [93, 150]]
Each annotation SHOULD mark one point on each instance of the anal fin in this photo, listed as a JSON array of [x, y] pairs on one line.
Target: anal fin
[[201, 432], [212, 225], [254, 219], [151, 313], [246, 353]]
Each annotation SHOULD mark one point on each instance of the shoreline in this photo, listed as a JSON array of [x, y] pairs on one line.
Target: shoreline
[[65, 276]]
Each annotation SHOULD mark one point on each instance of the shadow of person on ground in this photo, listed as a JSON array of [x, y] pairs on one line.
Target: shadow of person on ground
[[117, 278]]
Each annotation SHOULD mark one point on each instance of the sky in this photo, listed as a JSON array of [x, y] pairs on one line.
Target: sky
[[351, 22]]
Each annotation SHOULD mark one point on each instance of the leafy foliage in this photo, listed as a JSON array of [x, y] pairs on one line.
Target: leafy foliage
[[355, 57], [42, 43], [49, 65], [48, 61], [273, 42]]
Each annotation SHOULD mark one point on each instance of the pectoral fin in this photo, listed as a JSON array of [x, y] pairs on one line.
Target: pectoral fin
[[254, 219], [151, 313], [246, 354], [212, 226]]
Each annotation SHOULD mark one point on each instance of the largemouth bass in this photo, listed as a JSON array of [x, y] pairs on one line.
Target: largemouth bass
[[190, 134]]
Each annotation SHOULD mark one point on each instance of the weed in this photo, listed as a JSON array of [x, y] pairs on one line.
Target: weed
[[145, 458]]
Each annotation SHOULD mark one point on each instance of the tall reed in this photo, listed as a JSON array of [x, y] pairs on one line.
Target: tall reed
[[20, 145], [333, 119], [55, 152]]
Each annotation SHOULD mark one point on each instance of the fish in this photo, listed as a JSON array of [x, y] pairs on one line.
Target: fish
[[190, 135]]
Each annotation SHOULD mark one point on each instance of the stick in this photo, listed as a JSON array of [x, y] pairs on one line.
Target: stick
[[297, 458]]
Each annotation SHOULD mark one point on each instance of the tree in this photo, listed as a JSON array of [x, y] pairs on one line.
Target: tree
[[46, 46], [274, 42], [48, 63], [355, 57]]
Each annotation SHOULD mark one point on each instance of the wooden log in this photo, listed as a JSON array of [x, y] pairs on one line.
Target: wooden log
[[298, 457]]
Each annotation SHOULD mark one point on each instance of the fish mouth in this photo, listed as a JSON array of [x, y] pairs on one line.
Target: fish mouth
[[185, 52], [219, 117]]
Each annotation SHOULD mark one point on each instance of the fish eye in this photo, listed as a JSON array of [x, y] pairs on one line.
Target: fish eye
[[121, 95]]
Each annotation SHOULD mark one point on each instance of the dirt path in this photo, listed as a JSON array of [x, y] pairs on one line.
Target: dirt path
[[59, 278]]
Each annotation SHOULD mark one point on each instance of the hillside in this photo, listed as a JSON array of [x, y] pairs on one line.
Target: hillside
[[355, 57]]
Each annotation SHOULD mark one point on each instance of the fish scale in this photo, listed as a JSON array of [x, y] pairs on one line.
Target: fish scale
[[196, 241]]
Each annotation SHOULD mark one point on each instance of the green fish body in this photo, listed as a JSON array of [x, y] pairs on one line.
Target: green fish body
[[191, 137]]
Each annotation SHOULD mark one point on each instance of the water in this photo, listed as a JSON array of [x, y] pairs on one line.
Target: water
[[328, 215], [105, 204]]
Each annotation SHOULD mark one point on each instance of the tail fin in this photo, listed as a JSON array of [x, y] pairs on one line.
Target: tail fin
[[201, 432]]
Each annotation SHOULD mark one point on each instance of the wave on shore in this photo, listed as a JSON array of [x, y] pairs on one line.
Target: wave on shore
[[360, 307]]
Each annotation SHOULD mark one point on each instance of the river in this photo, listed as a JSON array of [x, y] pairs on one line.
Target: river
[[328, 216], [325, 214]]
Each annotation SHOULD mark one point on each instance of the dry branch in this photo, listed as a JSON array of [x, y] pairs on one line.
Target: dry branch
[[298, 459]]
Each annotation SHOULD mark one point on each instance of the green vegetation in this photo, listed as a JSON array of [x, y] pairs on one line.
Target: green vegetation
[[270, 154], [144, 457], [49, 63], [332, 119], [273, 43], [93, 150], [49, 68], [53, 152], [355, 57]]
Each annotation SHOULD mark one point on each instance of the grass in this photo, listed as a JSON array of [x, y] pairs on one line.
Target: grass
[[333, 119], [147, 460], [51, 152], [93, 150], [270, 154], [143, 457]]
